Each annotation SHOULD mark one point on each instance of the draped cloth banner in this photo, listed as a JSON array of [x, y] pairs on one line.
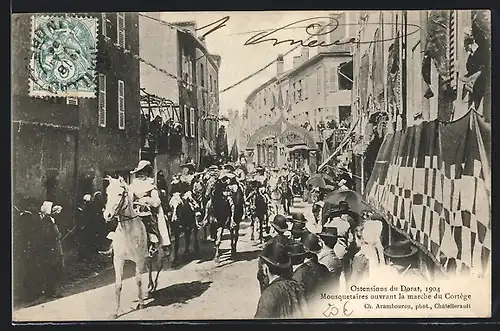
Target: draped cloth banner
[[432, 183]]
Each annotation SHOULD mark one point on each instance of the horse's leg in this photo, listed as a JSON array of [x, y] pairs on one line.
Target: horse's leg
[[234, 238], [160, 267], [176, 229], [139, 267], [261, 228], [187, 239], [196, 243], [218, 239], [150, 274], [118, 264], [252, 227]]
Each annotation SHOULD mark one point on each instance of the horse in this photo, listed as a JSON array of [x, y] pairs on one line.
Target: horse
[[257, 211], [199, 196], [129, 241], [184, 214], [225, 213]]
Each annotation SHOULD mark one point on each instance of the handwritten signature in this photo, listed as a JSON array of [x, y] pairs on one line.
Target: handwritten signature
[[333, 310], [314, 29]]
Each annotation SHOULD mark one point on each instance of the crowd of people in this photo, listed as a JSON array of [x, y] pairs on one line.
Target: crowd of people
[[37, 250], [296, 265]]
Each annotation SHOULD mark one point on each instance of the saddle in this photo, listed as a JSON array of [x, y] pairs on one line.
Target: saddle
[[148, 215]]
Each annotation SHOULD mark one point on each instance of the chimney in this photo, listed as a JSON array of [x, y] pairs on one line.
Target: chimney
[[322, 28], [296, 61], [280, 65], [304, 54]]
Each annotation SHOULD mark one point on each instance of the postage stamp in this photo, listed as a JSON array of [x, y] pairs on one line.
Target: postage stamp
[[63, 56]]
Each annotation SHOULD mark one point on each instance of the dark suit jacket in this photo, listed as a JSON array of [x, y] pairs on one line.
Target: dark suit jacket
[[283, 298], [312, 276]]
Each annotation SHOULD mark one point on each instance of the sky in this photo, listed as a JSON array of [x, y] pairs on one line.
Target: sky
[[238, 60]]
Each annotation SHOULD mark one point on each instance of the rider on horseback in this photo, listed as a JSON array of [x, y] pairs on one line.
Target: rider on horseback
[[260, 185], [147, 204], [181, 187], [210, 178]]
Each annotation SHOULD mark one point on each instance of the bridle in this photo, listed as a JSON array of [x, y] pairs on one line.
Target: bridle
[[120, 206]]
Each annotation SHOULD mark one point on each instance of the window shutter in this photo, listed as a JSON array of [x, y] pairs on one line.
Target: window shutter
[[192, 122], [104, 25], [333, 79], [121, 105], [120, 29], [102, 100], [186, 121]]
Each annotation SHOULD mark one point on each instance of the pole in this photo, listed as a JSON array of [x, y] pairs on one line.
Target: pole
[[362, 174]]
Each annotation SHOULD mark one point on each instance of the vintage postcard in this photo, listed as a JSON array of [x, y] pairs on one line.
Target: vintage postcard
[[251, 165]]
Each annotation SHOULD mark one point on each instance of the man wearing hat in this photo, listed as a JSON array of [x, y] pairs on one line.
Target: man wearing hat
[[311, 275], [280, 225], [299, 222], [297, 254], [183, 185], [147, 203], [327, 256], [210, 178], [402, 256], [283, 298]]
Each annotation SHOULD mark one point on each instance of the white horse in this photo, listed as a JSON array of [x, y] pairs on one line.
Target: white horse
[[129, 240]]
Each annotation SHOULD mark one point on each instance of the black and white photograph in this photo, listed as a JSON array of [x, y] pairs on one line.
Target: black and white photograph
[[177, 166]]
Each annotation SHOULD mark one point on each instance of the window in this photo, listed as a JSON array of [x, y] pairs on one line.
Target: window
[[344, 113], [192, 122], [215, 86], [104, 25], [51, 185], [186, 121], [333, 78], [265, 97], [120, 17], [101, 114], [187, 70], [211, 86], [121, 105], [318, 80], [299, 90], [345, 76]]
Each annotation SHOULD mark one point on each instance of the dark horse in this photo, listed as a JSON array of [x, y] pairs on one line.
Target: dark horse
[[183, 221], [224, 213], [257, 211]]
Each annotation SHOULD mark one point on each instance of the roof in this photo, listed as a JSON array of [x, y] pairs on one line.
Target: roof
[[296, 70]]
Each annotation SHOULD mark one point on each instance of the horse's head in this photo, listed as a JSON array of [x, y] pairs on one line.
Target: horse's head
[[175, 203], [116, 193]]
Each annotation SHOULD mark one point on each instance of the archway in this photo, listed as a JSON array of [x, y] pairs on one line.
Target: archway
[[271, 143]]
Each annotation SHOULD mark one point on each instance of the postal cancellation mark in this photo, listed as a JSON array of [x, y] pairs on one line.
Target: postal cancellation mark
[[63, 56]]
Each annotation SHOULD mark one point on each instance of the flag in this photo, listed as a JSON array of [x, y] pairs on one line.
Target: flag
[[364, 73], [234, 152], [431, 182], [436, 51], [378, 71], [326, 150], [394, 77]]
